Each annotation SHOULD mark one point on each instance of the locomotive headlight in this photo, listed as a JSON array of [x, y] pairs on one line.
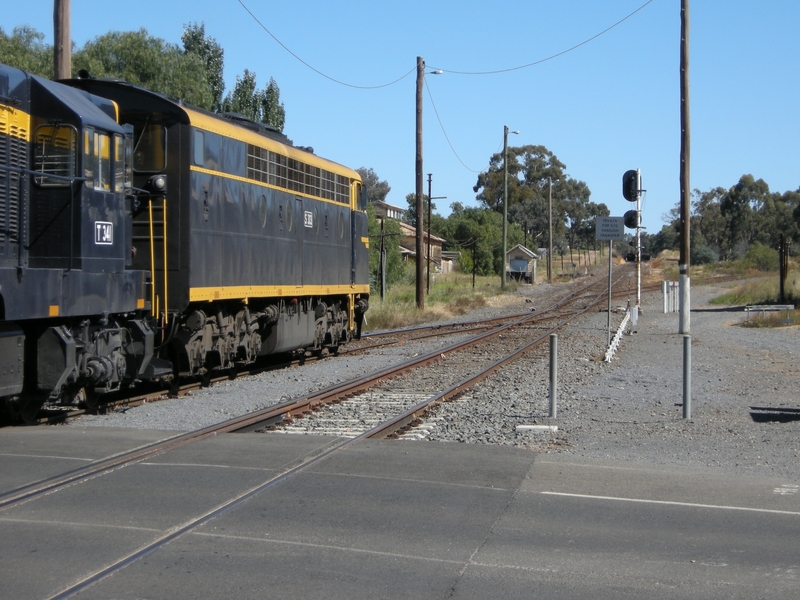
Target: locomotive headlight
[[157, 184]]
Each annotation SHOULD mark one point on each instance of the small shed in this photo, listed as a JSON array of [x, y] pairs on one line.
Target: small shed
[[521, 264]]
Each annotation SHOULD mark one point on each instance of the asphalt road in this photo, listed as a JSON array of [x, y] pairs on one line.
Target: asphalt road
[[390, 519]]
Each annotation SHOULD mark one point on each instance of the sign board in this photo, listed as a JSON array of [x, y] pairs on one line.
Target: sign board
[[610, 228]]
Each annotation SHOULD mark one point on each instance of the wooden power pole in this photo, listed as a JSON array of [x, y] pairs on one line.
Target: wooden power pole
[[62, 46]]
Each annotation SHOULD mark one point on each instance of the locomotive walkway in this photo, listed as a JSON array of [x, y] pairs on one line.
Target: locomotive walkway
[[384, 519]]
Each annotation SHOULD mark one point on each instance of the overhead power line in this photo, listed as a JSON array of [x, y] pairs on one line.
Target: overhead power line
[[495, 72], [317, 71], [551, 57]]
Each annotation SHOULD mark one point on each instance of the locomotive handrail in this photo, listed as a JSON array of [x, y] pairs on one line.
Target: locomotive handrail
[[49, 176]]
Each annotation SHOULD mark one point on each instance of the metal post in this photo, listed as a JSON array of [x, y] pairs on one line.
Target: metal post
[[610, 252], [687, 377], [638, 237], [553, 373]]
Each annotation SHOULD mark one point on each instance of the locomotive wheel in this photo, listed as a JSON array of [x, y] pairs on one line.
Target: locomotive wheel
[[24, 411], [86, 397]]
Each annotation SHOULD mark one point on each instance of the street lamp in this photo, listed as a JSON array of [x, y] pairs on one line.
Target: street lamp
[[420, 207], [505, 203]]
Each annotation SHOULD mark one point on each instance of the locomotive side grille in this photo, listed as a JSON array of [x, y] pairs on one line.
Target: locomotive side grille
[[291, 174], [13, 153]]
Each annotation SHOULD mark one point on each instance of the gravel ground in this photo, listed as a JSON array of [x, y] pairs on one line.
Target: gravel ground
[[629, 409]]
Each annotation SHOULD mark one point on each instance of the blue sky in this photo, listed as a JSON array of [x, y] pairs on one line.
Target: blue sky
[[608, 106]]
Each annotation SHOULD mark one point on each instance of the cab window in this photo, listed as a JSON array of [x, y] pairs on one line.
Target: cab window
[[55, 155], [97, 160], [119, 163], [149, 148]]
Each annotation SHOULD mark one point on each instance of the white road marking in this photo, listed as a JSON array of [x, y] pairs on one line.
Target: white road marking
[[672, 503]]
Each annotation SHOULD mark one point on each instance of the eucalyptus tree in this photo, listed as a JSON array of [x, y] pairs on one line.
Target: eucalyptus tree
[[376, 189], [151, 62], [25, 49], [535, 175], [476, 233], [741, 205], [211, 53], [261, 106]]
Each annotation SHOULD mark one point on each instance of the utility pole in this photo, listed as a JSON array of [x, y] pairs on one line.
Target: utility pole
[[62, 46], [505, 204], [550, 238], [383, 262], [430, 202], [683, 262], [420, 207]]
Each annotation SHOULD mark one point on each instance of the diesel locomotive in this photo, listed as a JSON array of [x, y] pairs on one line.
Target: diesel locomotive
[[144, 239]]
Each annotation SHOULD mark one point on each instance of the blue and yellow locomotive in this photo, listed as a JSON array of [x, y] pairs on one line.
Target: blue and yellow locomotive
[[143, 238]]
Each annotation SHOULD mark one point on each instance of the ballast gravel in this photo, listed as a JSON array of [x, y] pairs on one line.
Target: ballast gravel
[[745, 413]]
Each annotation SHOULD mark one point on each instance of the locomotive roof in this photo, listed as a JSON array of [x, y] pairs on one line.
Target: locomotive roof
[[86, 108], [229, 125], [222, 126], [90, 109]]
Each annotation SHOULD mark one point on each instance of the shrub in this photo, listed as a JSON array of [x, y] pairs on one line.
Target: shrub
[[703, 255], [761, 257]]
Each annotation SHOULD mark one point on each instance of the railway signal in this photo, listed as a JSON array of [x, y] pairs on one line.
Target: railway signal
[[630, 185], [632, 192]]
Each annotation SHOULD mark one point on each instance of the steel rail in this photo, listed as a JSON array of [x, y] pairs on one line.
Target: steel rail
[[379, 431], [279, 411], [401, 423]]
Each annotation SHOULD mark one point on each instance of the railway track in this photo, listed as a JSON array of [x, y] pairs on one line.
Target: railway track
[[288, 412], [370, 341], [393, 411]]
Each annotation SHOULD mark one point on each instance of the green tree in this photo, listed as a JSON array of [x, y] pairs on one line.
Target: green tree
[[710, 222], [273, 112], [534, 176], [211, 54], [740, 206], [141, 59], [391, 241], [475, 232], [529, 169], [262, 106], [376, 189], [25, 49]]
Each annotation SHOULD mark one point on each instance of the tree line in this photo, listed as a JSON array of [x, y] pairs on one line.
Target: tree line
[[726, 223], [192, 71], [536, 178]]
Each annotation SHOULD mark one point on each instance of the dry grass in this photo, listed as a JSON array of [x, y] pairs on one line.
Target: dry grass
[[451, 295]]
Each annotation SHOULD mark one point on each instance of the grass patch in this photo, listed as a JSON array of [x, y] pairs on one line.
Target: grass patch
[[772, 319], [763, 290], [450, 295]]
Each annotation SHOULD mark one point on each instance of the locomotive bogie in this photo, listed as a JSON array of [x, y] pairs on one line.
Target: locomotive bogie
[[98, 355], [228, 334]]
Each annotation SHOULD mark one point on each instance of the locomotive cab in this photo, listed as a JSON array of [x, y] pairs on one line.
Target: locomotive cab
[[73, 313], [78, 212]]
